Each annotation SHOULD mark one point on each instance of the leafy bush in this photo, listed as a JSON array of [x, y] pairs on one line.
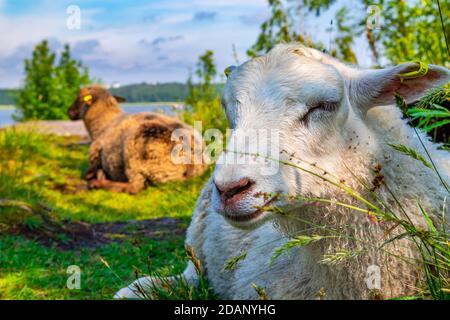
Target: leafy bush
[[432, 114], [50, 89], [203, 101]]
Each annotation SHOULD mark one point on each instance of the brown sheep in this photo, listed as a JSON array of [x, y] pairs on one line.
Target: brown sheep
[[129, 151]]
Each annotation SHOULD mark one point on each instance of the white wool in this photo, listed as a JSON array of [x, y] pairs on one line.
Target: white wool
[[274, 91]]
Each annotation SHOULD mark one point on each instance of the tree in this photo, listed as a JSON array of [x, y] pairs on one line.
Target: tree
[[344, 38], [206, 72], [70, 75], [49, 89], [409, 30], [415, 31], [278, 28], [203, 100], [34, 97]]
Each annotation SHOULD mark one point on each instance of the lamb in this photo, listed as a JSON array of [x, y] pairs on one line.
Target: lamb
[[335, 121], [129, 151]]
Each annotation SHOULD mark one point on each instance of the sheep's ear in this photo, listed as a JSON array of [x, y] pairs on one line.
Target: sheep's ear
[[120, 99], [370, 88]]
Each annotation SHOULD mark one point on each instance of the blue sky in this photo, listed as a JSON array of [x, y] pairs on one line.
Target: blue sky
[[132, 41]]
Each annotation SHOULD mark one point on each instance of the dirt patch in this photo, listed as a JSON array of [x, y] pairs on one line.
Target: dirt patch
[[77, 235], [58, 127], [72, 235], [72, 186]]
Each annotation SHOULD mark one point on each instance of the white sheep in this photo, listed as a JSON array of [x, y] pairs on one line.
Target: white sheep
[[335, 121]]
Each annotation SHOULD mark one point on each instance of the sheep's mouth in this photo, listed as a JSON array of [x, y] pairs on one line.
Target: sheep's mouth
[[250, 216]]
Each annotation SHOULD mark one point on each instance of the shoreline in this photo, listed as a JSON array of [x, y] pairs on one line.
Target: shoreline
[[135, 104], [156, 103]]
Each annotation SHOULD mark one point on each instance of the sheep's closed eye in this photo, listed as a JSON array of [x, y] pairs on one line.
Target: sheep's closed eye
[[322, 106]]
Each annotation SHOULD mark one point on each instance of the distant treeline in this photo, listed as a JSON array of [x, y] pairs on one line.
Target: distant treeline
[[8, 96], [133, 93], [143, 92]]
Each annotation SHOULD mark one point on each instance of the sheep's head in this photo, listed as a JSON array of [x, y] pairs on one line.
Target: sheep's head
[[310, 101], [87, 97]]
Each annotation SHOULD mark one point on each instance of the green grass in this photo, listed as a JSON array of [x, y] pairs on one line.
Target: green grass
[[32, 271], [48, 170], [6, 107]]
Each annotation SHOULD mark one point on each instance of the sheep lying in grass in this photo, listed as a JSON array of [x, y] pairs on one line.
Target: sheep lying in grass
[[334, 159], [129, 151]]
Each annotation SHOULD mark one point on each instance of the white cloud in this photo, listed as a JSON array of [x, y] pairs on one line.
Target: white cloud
[[118, 54], [118, 48]]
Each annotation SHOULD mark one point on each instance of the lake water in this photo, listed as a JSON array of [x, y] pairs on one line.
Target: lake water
[[6, 117], [6, 114]]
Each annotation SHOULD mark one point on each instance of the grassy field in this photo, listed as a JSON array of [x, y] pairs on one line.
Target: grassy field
[[51, 227]]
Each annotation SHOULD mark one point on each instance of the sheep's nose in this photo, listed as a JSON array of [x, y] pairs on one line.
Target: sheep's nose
[[231, 192]]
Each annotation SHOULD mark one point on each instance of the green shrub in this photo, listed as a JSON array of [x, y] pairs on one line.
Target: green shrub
[[432, 114], [49, 88], [203, 101]]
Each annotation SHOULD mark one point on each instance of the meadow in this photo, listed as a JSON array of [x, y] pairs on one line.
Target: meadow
[[54, 222], [50, 221]]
